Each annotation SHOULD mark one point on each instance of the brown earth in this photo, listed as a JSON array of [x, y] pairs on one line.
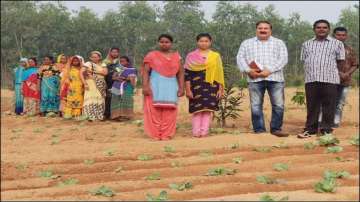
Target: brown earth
[[27, 149]]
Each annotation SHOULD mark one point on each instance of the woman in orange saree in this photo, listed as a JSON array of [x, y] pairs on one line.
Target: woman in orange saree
[[163, 83]]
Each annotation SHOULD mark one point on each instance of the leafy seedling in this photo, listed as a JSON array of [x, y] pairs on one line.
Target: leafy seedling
[[55, 140], [328, 140], [217, 130], [169, 149], [299, 98], [119, 169], [266, 180], [237, 160], [234, 146], [48, 174], [38, 130], [341, 159], [89, 162], [109, 152], [333, 174], [355, 140], [262, 149], [309, 146], [68, 182], [267, 197], [220, 171], [326, 185], [163, 196], [103, 191], [280, 166], [153, 176], [182, 186], [21, 167], [205, 153], [334, 149], [175, 164], [144, 157]]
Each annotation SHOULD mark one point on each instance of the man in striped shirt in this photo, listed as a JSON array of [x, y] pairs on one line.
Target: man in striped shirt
[[322, 56], [263, 58]]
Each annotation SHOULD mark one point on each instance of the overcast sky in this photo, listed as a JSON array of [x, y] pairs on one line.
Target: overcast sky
[[309, 10]]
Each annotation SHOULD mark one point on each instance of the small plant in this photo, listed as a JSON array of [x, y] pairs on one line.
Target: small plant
[[169, 149], [234, 146], [48, 174], [281, 145], [102, 191], [55, 140], [144, 157], [221, 171], [326, 185], [175, 164], [205, 153], [266, 180], [309, 146], [237, 160], [235, 132], [333, 174], [334, 149], [119, 169], [89, 162], [280, 166], [267, 197], [181, 186], [109, 152], [217, 131], [38, 130], [328, 140], [229, 105], [68, 182], [355, 140], [163, 196], [341, 159], [262, 149], [153, 176], [299, 98], [21, 167], [16, 130]]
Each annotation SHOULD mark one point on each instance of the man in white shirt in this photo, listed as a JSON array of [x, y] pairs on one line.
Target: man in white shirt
[[263, 58]]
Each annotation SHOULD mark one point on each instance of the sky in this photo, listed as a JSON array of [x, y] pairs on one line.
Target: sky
[[309, 10]]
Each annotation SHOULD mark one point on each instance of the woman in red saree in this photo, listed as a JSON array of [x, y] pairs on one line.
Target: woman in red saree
[[31, 89], [163, 83]]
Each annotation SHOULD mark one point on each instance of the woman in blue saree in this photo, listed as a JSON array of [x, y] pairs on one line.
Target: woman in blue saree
[[18, 74], [50, 84]]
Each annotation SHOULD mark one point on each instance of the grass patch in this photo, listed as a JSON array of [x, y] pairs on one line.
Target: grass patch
[[354, 140], [237, 160], [334, 149], [205, 153], [266, 180], [89, 162], [169, 149], [267, 197], [262, 149], [328, 140], [68, 182], [109, 152], [48, 174], [309, 146]]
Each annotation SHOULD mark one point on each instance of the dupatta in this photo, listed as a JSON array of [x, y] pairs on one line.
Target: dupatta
[[212, 64]]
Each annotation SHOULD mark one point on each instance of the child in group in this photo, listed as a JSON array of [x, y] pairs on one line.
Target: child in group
[[122, 100], [74, 97], [204, 84]]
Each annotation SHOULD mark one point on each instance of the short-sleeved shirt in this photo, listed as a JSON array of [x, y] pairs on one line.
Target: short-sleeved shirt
[[320, 60]]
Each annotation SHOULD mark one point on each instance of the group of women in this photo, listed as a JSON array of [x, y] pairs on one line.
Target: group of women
[[73, 88], [76, 88]]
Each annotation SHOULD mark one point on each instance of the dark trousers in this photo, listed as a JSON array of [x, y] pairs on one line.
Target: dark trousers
[[323, 96], [107, 111]]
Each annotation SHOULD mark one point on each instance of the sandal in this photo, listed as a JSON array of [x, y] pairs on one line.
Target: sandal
[[303, 135]]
